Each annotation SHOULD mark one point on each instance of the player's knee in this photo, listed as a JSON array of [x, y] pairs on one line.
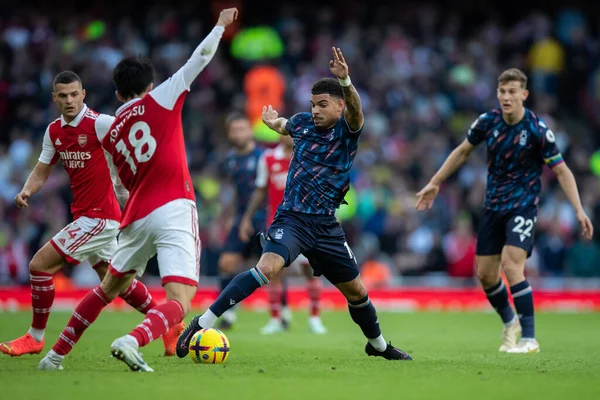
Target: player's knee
[[514, 271], [270, 264], [112, 285], [488, 271], [37, 264], [181, 293], [354, 290], [101, 269], [488, 276]]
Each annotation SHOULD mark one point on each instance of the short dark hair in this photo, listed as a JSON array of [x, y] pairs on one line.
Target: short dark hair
[[132, 75], [234, 116], [513, 74], [66, 77], [328, 86]]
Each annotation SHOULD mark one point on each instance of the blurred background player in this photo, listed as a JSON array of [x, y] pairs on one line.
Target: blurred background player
[[74, 140], [240, 167], [518, 144], [147, 145], [325, 144], [271, 176]]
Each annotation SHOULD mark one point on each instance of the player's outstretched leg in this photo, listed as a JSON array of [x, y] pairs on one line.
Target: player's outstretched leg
[[45, 263], [488, 272], [242, 286], [84, 315], [158, 321], [363, 313], [138, 297]]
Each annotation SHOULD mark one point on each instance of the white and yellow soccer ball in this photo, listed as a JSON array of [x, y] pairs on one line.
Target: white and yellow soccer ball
[[209, 346]]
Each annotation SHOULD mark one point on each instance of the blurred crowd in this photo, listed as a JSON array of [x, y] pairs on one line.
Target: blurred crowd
[[424, 73]]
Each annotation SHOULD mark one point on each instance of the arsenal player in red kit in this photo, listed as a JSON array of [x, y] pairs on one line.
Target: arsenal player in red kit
[[271, 177], [74, 139], [146, 144]]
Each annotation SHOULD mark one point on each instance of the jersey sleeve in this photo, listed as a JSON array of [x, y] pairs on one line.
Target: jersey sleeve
[[102, 125], [262, 172], [550, 152], [349, 132], [297, 122], [476, 133], [168, 92], [120, 191], [48, 155]]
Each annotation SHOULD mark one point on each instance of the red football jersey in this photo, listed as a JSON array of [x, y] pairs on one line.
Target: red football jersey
[[272, 171], [78, 147], [147, 146]]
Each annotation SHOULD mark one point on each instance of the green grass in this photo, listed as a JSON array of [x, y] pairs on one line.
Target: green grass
[[455, 358]]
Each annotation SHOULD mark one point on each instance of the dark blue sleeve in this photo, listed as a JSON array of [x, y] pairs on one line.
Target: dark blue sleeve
[[349, 132], [297, 122], [478, 129]]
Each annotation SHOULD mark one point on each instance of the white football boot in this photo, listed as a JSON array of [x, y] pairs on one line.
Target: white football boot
[[125, 349], [51, 362], [316, 325], [511, 335], [274, 326], [526, 346]]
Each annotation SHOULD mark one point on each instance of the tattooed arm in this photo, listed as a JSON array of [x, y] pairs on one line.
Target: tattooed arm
[[353, 114]]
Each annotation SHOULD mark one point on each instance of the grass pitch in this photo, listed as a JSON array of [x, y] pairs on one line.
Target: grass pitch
[[455, 357]]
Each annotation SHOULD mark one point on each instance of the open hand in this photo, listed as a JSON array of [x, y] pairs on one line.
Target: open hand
[[587, 229], [269, 116], [426, 196], [338, 65]]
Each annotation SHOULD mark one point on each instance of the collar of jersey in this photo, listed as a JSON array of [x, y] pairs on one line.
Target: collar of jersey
[[75, 122], [124, 106]]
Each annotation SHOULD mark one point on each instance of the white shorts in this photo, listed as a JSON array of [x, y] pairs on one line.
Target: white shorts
[[92, 239], [171, 232]]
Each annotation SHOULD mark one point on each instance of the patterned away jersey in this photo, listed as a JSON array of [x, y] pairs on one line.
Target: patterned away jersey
[[319, 174], [516, 155], [241, 169]]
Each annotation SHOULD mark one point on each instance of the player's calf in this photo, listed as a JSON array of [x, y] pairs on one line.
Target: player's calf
[[363, 313]]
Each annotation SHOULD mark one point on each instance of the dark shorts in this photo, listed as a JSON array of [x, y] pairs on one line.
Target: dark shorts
[[499, 228], [234, 244], [319, 237]]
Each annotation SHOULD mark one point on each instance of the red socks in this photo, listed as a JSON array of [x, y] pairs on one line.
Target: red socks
[[42, 297], [274, 290], [158, 321], [138, 297], [84, 315], [314, 294]]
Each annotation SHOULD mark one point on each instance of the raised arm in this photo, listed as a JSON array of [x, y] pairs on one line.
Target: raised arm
[[353, 113], [272, 119], [167, 93]]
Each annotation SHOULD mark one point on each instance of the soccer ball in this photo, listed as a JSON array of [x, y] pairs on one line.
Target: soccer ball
[[209, 346]]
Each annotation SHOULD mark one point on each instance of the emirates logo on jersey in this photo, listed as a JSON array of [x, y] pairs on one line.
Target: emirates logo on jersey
[[277, 167], [82, 140]]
